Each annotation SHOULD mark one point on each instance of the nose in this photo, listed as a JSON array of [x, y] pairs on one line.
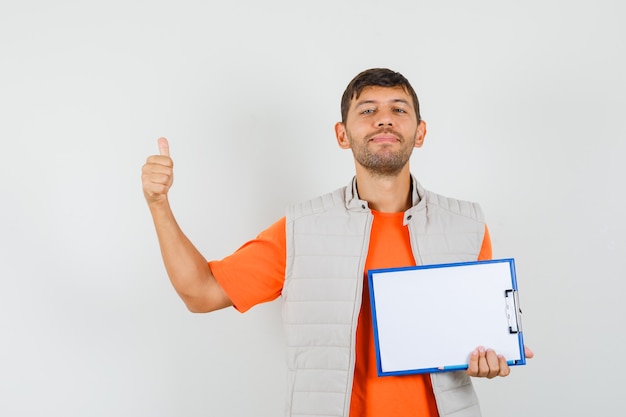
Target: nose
[[384, 119]]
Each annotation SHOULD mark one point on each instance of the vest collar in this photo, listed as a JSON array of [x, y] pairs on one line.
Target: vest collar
[[353, 202]]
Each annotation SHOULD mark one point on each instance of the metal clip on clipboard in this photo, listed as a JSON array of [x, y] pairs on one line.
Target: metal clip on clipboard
[[513, 311]]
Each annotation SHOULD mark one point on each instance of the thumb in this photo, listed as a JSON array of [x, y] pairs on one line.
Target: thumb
[[164, 147]]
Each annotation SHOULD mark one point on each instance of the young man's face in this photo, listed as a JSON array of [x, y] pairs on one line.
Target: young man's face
[[381, 129]]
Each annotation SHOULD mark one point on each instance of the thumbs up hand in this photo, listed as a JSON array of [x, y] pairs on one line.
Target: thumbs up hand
[[157, 174]]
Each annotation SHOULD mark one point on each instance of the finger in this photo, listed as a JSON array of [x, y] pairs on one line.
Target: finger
[[493, 363], [505, 370], [154, 192], [164, 147], [483, 365], [159, 160], [472, 367], [154, 178], [159, 164], [528, 353]]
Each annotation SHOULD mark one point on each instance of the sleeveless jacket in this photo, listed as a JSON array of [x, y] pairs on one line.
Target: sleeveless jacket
[[327, 243]]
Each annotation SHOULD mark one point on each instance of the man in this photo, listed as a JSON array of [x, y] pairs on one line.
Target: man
[[316, 257]]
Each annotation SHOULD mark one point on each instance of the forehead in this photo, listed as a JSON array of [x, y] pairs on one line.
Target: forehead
[[378, 94]]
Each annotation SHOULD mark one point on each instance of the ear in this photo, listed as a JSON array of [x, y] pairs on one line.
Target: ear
[[420, 134], [342, 136]]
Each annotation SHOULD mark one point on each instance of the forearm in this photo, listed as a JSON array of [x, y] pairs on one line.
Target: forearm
[[187, 269]]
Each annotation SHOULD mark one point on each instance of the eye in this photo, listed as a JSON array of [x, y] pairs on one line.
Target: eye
[[399, 110], [367, 111]]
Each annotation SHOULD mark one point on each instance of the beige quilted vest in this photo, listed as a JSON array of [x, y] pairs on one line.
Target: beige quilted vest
[[327, 242]]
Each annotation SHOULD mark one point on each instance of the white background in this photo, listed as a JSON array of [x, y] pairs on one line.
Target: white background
[[525, 105]]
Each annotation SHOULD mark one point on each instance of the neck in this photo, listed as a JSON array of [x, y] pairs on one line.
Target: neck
[[387, 194]]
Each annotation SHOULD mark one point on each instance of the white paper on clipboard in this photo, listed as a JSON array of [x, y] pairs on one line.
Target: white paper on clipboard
[[430, 318]]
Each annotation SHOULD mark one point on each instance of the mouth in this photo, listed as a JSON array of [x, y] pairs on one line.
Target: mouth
[[384, 138]]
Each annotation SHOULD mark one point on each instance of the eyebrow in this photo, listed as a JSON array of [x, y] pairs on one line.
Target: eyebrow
[[395, 100]]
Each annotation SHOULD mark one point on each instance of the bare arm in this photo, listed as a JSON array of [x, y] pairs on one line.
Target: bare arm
[[187, 268]]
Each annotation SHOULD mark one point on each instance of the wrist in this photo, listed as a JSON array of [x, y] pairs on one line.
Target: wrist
[[159, 206]]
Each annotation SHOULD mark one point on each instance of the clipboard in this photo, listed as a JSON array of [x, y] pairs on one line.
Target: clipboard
[[430, 318]]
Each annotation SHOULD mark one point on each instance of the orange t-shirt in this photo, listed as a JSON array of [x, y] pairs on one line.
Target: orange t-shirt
[[255, 273]]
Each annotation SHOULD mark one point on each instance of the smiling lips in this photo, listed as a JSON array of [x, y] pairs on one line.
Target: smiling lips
[[384, 138]]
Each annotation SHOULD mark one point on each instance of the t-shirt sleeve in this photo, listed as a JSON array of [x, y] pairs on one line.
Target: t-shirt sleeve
[[254, 273], [485, 251]]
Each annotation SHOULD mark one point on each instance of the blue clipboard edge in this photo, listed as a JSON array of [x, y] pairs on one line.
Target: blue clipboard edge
[[448, 368]]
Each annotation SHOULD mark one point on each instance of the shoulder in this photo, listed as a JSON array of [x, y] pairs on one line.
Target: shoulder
[[324, 203], [464, 208]]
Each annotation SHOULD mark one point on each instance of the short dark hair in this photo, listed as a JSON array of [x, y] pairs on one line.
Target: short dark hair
[[380, 77]]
